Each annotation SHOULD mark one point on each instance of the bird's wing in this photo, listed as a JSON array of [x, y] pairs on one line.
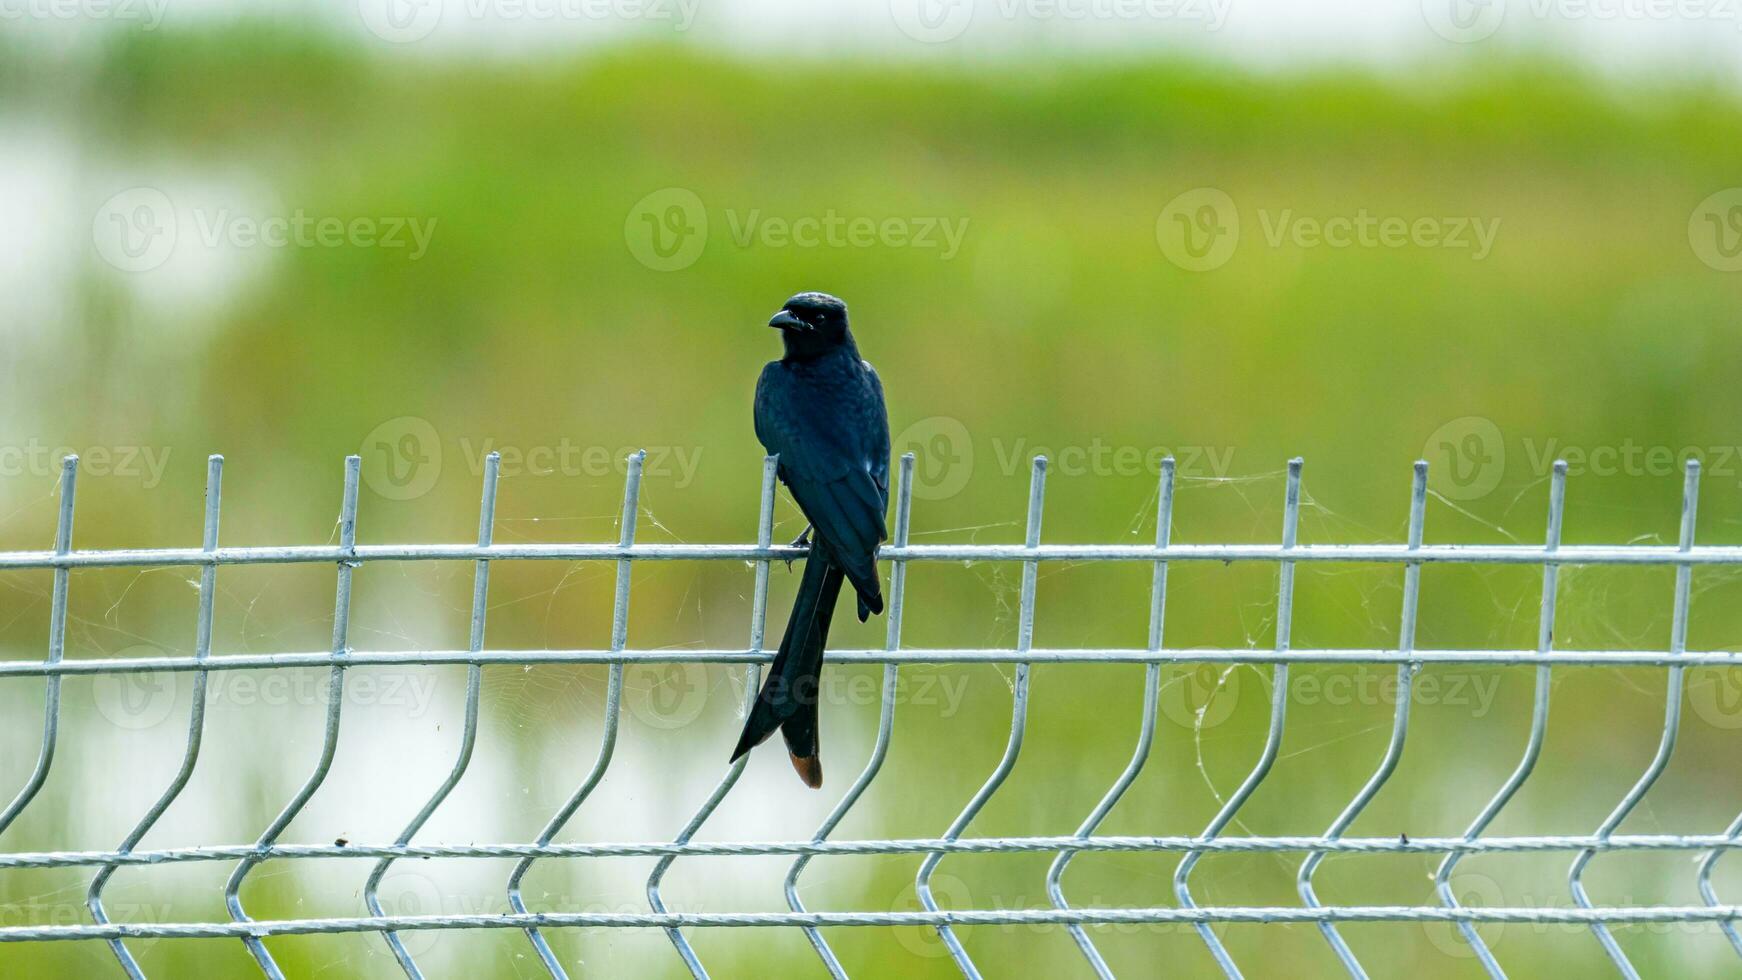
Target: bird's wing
[[880, 433], [825, 464]]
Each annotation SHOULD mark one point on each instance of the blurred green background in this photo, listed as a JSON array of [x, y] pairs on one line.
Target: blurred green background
[[568, 306]]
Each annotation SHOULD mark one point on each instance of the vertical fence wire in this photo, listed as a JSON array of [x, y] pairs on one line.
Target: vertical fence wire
[[885, 716], [196, 716], [1018, 724], [1278, 715], [1709, 895], [1557, 501], [1672, 713], [1146, 730], [469, 731], [57, 644], [329, 740], [1399, 727], [752, 672], [613, 703]]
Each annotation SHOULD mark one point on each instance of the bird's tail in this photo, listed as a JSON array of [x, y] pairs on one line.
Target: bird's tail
[[788, 699]]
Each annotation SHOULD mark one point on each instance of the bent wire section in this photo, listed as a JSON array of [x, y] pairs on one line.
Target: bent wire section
[[1272, 738], [885, 717], [468, 733], [1399, 727], [613, 702], [1557, 500], [57, 643], [758, 617], [329, 740], [1018, 723], [1146, 729], [1672, 714], [196, 718]]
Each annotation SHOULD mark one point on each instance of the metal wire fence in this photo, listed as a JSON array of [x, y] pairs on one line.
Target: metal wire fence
[[347, 557]]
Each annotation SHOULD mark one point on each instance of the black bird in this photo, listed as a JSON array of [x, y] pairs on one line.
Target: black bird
[[820, 409]]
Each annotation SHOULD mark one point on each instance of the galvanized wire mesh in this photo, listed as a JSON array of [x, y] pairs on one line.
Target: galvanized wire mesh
[[347, 557]]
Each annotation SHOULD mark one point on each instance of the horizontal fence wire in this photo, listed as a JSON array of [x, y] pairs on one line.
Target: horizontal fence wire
[[348, 558]]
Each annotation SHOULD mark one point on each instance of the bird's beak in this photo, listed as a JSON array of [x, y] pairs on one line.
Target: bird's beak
[[786, 321]]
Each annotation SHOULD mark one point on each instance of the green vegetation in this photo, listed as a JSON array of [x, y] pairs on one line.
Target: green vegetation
[[1060, 324]]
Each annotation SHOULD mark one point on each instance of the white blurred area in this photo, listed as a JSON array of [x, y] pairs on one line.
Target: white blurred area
[[1624, 37]]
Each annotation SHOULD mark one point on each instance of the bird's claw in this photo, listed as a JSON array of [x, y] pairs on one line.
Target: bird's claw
[[802, 541]]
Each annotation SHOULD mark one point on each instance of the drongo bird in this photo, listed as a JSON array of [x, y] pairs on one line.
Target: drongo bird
[[820, 409]]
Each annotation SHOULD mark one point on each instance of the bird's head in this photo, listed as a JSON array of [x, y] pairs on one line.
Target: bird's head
[[811, 325]]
